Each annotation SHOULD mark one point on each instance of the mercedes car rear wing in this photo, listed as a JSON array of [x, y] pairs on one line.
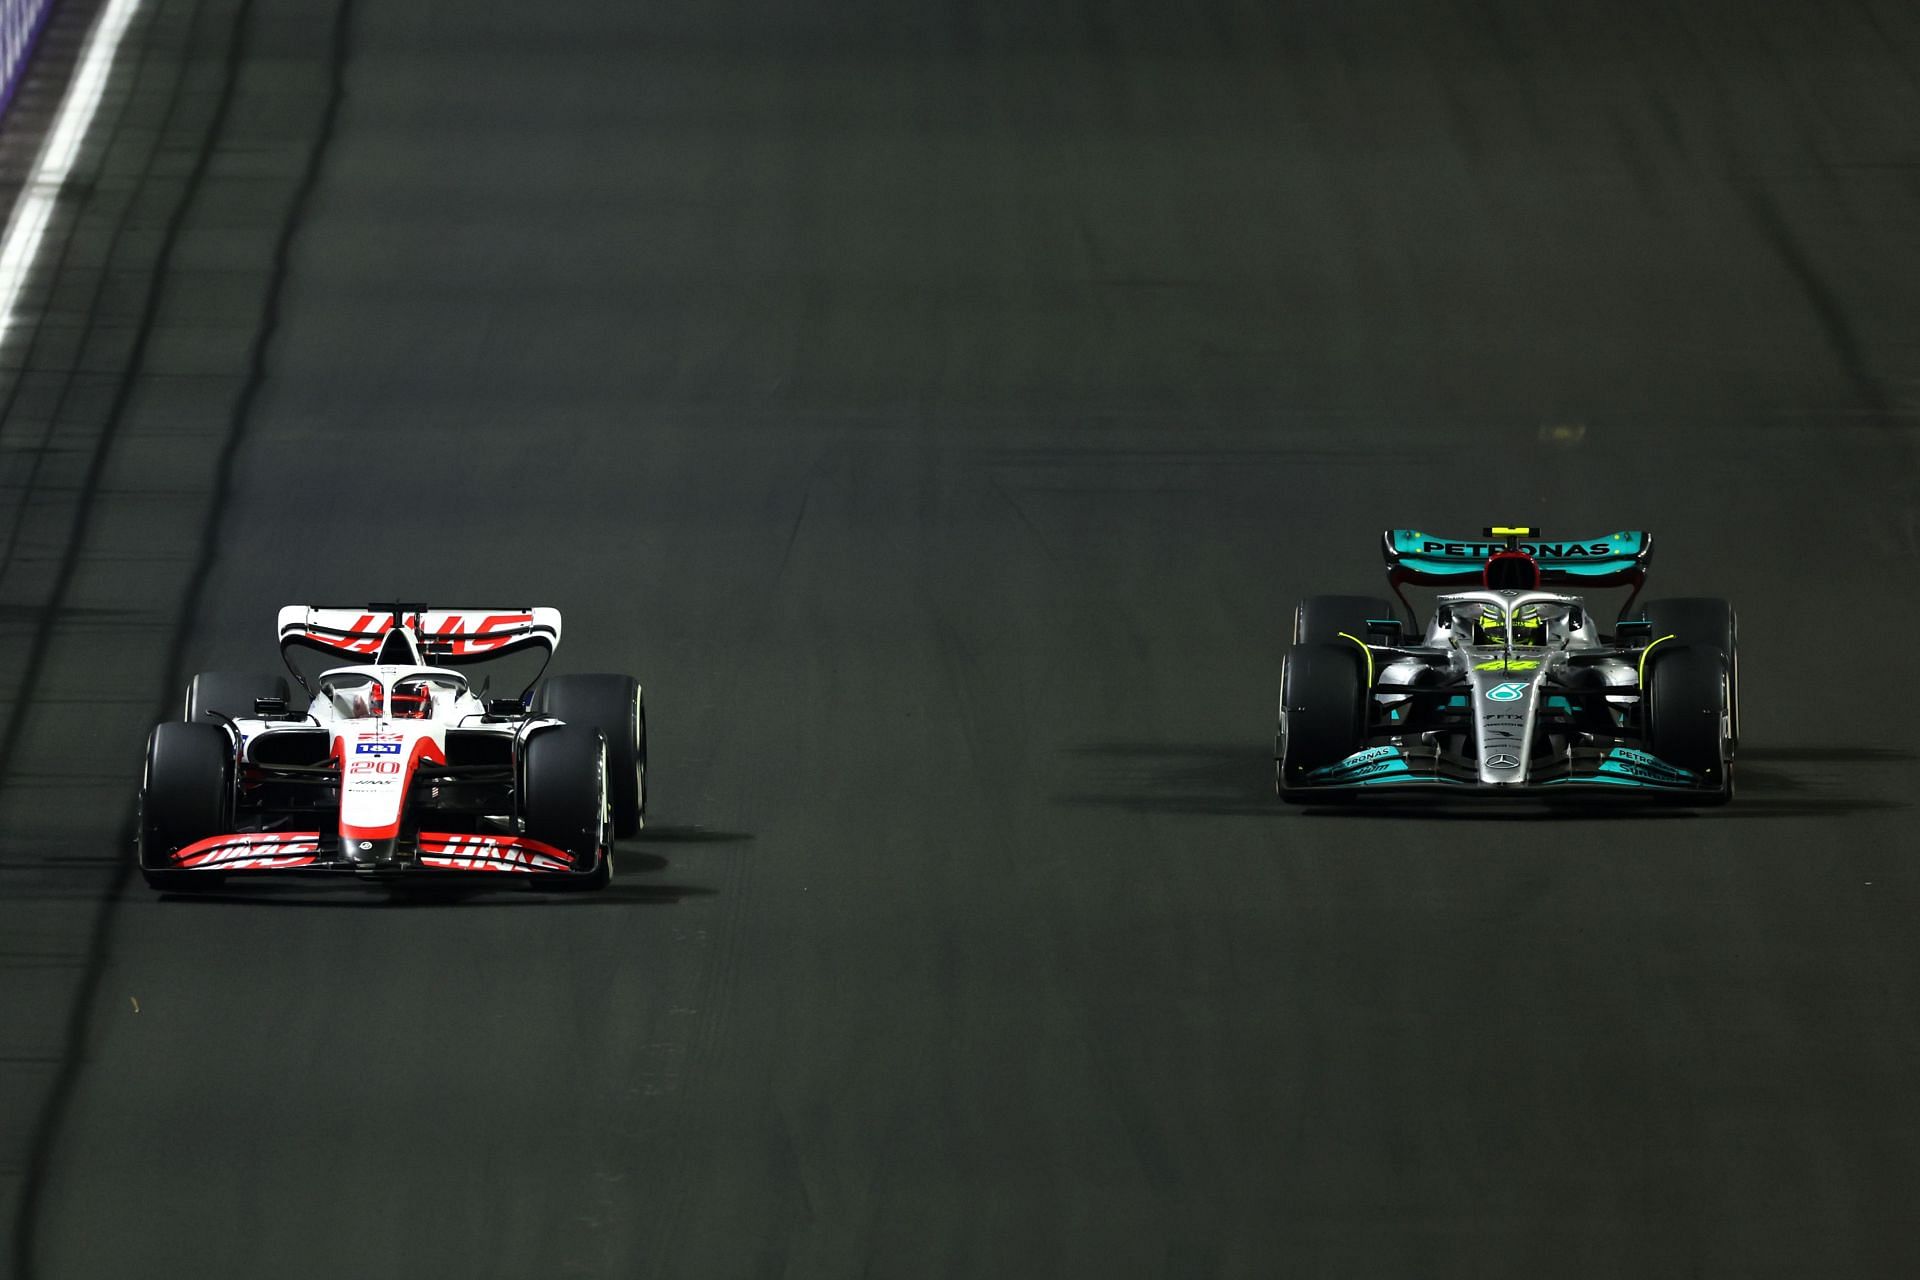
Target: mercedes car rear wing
[[1417, 558]]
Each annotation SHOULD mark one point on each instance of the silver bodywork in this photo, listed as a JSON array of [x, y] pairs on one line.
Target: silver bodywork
[[1506, 691], [1504, 682]]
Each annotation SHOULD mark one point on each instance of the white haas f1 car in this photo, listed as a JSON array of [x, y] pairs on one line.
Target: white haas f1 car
[[1510, 688], [396, 768]]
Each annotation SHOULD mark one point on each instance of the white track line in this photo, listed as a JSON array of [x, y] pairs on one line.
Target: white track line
[[34, 210]]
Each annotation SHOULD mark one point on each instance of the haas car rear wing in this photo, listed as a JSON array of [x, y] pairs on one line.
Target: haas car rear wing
[[1429, 560], [447, 637]]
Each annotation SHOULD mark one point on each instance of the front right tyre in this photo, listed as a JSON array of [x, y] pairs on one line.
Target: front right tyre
[[1325, 618], [1323, 709]]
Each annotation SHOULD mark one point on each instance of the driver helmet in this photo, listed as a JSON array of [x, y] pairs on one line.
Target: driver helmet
[[1529, 628], [412, 700]]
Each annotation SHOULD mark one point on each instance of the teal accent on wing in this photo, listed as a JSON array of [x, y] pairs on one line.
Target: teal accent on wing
[[1371, 764], [1645, 768], [1471, 568], [1463, 568], [1588, 568], [1427, 553]]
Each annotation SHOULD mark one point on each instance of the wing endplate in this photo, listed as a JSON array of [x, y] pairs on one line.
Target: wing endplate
[[1427, 559]]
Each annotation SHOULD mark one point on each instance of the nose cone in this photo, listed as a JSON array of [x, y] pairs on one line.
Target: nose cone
[[377, 769], [1503, 707], [368, 852]]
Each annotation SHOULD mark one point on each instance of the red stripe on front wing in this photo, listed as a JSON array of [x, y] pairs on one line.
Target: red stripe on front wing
[[490, 853], [270, 849]]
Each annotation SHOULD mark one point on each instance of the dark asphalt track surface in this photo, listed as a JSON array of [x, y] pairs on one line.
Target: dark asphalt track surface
[[940, 407]]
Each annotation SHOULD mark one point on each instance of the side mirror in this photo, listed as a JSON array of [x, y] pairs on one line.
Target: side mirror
[[505, 708], [270, 708], [1390, 628]]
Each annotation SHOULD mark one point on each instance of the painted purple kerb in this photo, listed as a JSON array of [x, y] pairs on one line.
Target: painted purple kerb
[[20, 24]]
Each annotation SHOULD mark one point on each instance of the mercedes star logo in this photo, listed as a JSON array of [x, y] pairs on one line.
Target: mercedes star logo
[[1502, 762]]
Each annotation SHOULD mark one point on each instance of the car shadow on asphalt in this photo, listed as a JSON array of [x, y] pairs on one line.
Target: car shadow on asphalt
[[1236, 780], [689, 835], [1190, 779], [1827, 755]]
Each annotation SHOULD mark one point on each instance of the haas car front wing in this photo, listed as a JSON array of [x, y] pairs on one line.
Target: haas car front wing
[[429, 853]]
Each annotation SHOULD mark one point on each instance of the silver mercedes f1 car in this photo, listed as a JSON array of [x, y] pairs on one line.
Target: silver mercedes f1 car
[[393, 766], [1514, 686]]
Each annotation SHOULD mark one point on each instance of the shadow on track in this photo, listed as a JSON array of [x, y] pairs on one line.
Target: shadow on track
[[1193, 779], [1781, 793], [690, 835], [1828, 755]]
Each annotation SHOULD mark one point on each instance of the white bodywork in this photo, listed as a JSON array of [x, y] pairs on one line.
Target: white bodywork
[[386, 718], [378, 747]]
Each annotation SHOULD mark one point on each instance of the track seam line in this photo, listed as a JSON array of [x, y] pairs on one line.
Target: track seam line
[[47, 1125], [33, 211], [8, 319]]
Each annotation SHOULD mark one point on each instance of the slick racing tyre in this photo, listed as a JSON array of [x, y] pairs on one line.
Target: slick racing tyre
[[1685, 708], [1323, 618], [565, 800], [230, 693], [187, 795], [1323, 707], [1703, 620], [614, 705]]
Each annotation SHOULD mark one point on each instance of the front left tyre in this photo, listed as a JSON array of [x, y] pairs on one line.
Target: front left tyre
[[1703, 620], [1686, 711], [564, 801], [185, 796], [615, 705]]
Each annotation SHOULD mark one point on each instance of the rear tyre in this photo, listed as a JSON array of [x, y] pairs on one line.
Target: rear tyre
[[1323, 618], [614, 705], [565, 802], [1685, 709], [1323, 707], [230, 693], [186, 795], [1703, 620]]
